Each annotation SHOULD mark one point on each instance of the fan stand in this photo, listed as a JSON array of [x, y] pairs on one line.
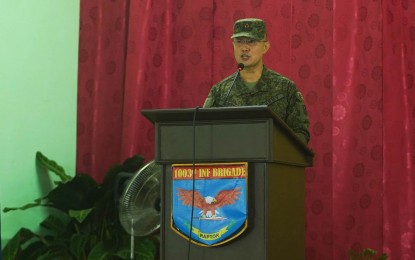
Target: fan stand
[[132, 240]]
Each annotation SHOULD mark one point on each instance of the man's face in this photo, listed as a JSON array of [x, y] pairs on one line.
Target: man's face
[[249, 51]]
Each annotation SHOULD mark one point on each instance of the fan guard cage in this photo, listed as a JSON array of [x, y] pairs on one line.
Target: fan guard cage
[[139, 210]]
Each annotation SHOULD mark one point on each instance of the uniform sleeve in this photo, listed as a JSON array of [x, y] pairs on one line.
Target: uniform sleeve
[[297, 116], [209, 101], [213, 97]]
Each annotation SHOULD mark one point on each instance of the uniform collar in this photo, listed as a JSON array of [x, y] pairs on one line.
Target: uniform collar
[[260, 86]]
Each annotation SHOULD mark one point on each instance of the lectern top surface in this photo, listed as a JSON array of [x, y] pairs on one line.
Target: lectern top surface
[[213, 113]]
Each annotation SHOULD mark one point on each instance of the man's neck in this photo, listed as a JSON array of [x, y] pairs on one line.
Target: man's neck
[[252, 74]]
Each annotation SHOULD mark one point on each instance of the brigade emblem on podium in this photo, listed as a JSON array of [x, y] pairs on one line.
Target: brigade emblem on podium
[[209, 202]]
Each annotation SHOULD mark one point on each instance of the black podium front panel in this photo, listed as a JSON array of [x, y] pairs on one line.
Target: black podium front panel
[[214, 142]]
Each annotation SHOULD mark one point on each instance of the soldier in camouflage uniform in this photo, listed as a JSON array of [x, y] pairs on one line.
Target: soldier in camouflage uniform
[[258, 85]]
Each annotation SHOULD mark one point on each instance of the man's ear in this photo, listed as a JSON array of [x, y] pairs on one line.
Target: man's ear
[[266, 46]]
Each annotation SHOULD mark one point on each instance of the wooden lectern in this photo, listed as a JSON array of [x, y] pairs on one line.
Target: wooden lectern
[[276, 182]]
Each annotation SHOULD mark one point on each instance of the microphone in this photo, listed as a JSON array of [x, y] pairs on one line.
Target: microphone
[[240, 67]]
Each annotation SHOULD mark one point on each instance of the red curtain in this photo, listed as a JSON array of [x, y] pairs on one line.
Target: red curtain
[[353, 60]]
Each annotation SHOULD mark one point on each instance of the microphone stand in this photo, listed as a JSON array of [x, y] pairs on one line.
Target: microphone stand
[[240, 67]]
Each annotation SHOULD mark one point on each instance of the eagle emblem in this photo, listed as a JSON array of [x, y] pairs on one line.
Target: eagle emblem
[[209, 205]]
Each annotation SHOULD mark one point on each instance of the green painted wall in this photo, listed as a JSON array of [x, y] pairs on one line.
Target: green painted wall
[[38, 88]]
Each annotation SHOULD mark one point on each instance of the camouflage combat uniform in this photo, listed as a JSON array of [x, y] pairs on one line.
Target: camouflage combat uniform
[[272, 89]]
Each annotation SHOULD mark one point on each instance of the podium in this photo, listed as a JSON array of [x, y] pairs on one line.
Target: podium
[[276, 158]]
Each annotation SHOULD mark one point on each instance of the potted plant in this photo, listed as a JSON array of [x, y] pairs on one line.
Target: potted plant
[[83, 223]]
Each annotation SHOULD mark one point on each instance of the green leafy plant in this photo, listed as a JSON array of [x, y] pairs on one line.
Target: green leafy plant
[[367, 254], [84, 221]]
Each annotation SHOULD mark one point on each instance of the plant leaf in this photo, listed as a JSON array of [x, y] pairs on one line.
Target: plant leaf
[[80, 215], [55, 253], [146, 250], [54, 223], [133, 163], [37, 203], [124, 252], [99, 252], [369, 252], [78, 245], [53, 167], [12, 248], [79, 193]]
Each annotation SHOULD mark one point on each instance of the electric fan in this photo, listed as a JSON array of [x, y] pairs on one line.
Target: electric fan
[[139, 208]]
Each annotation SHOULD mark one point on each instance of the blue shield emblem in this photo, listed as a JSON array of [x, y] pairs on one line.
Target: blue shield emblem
[[209, 202]]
